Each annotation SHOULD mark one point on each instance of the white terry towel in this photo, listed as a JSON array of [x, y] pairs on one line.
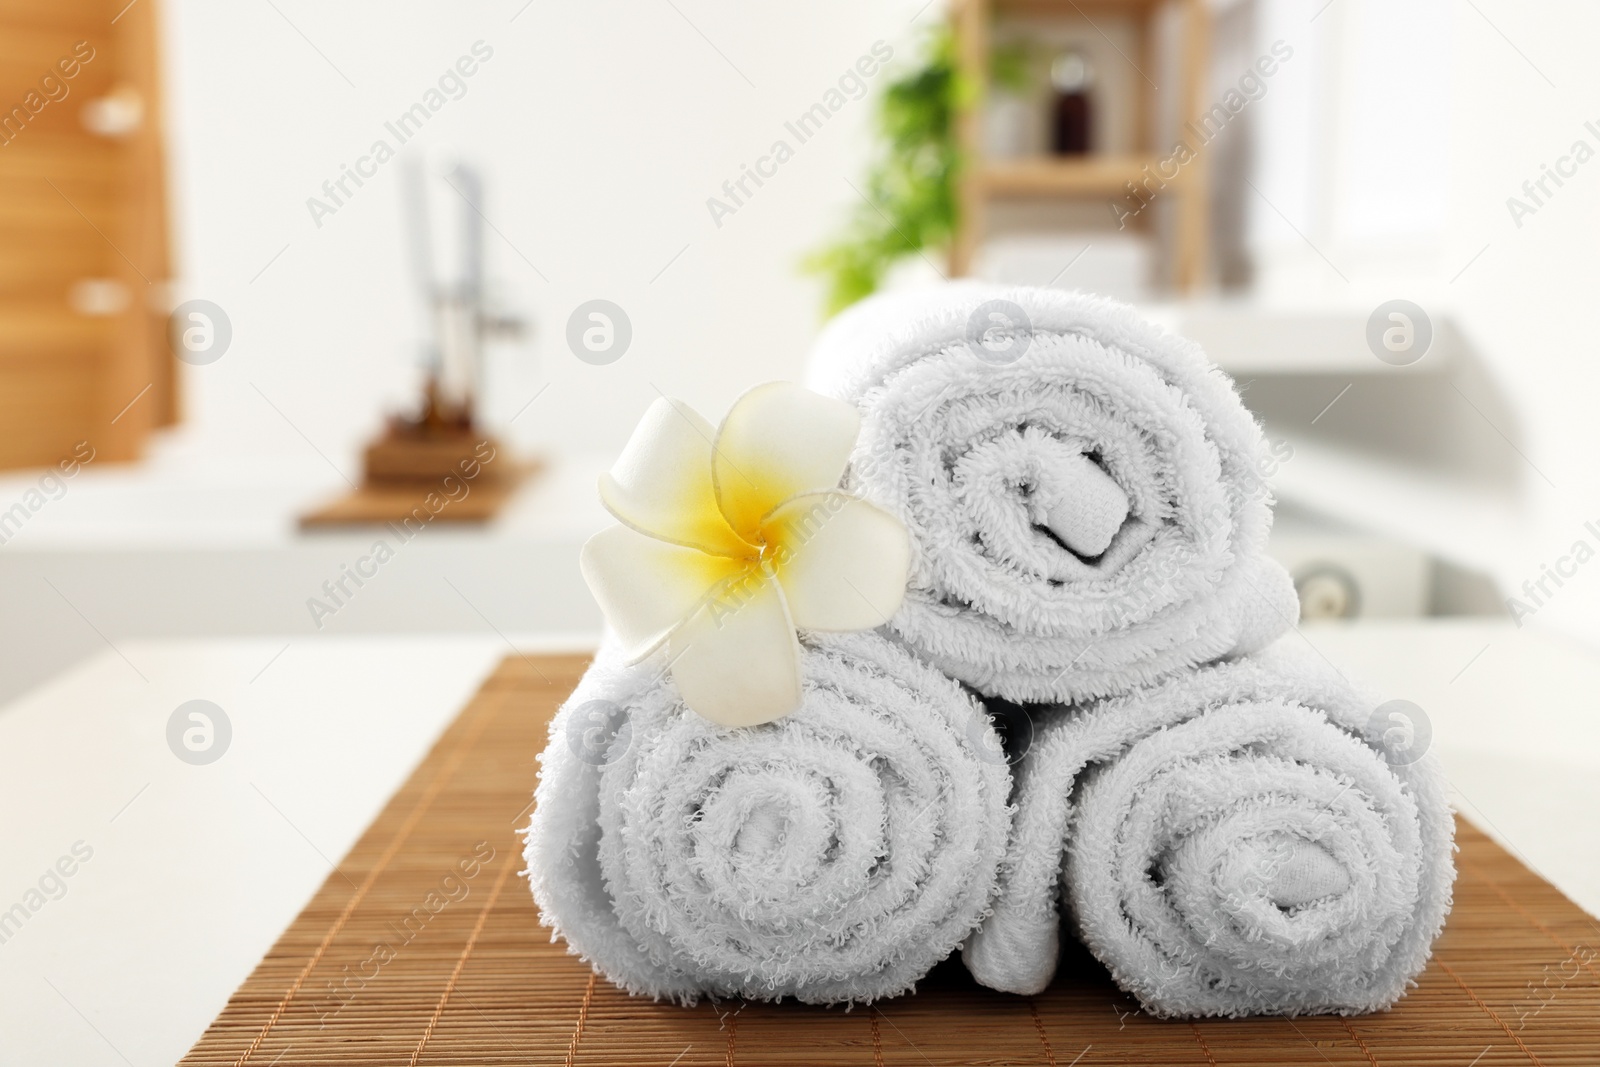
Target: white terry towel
[[1234, 841], [1084, 497], [834, 855]]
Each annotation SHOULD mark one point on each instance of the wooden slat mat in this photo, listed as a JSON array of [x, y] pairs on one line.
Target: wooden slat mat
[[424, 947]]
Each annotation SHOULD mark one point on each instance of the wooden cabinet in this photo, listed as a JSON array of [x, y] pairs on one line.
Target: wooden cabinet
[[83, 231]]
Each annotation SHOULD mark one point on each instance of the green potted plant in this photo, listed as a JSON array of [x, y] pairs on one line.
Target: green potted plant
[[910, 187]]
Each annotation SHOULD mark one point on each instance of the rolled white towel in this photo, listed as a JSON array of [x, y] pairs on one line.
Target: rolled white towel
[[1082, 488], [1237, 840], [833, 855]]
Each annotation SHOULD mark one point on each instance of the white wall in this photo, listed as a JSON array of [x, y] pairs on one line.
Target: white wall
[[1530, 299], [1353, 146], [603, 128], [1393, 150]]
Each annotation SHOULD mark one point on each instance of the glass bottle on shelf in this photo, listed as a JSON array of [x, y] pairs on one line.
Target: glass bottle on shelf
[[1071, 112]]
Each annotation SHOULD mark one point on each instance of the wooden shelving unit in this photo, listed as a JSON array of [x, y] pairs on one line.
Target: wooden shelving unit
[[1095, 175], [1090, 176]]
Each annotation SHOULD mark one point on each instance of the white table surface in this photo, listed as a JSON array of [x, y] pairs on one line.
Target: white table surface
[[197, 869], [191, 543]]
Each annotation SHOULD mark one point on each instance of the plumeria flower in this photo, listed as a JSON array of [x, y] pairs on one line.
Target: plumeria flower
[[732, 537]]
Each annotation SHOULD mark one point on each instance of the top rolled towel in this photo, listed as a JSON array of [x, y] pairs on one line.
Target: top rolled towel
[[1082, 488]]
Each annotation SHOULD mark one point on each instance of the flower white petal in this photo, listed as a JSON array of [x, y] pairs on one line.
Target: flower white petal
[[737, 661], [779, 440], [843, 562], [647, 587], [661, 484]]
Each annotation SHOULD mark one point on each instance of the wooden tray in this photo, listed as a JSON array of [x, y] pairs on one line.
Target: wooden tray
[[470, 977], [396, 502]]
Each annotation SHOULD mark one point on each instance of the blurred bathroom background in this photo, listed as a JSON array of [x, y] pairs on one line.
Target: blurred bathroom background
[[220, 297]]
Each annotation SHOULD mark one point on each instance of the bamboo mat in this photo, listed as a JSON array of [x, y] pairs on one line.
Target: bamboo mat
[[404, 957]]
